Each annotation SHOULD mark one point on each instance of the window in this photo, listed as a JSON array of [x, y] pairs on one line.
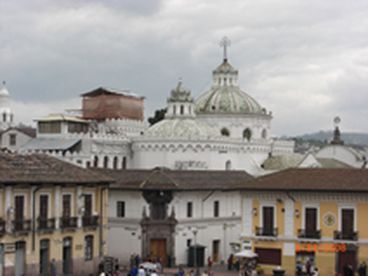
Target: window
[[87, 205], [4, 117], [269, 256], [49, 127], [44, 205], [181, 109], [106, 162], [216, 208], [88, 247], [174, 109], [225, 132], [228, 165], [247, 134], [189, 209], [12, 139], [268, 220], [74, 127], [115, 163], [67, 201], [123, 165], [95, 162], [120, 209], [310, 221], [88, 164]]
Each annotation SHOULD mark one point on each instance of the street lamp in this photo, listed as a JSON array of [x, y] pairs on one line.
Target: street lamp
[[195, 231]]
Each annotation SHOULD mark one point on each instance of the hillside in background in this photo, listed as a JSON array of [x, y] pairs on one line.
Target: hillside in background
[[322, 137]]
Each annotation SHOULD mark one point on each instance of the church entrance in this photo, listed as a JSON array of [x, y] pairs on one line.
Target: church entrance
[[158, 250], [215, 250]]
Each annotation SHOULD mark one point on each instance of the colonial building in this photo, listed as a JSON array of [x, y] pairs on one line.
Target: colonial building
[[160, 213], [305, 215], [50, 209]]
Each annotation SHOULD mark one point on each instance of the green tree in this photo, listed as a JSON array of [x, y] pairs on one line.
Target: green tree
[[159, 115]]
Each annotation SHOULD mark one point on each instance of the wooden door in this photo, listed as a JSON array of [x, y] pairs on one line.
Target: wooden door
[[215, 250], [310, 220], [347, 258], [44, 257], [347, 222], [268, 221], [158, 250], [67, 256]]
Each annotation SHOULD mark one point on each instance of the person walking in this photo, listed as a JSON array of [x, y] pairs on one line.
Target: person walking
[[362, 269], [53, 271]]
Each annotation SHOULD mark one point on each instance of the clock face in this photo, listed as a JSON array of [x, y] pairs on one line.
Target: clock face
[[329, 219]]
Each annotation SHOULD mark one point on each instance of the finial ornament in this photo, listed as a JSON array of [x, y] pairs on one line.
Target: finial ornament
[[225, 42], [336, 121]]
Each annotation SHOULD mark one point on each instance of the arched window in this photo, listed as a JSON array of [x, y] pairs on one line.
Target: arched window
[[4, 117], [181, 109], [106, 162], [247, 134], [95, 162], [225, 132], [228, 165], [264, 133], [115, 163], [123, 164], [174, 109]]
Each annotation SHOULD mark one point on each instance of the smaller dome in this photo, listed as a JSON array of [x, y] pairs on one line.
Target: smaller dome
[[181, 128], [3, 91]]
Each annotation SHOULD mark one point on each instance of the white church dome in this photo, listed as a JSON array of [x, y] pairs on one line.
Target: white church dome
[[225, 96]]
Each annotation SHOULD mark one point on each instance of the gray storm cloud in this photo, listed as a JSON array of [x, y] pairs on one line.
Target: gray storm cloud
[[306, 61]]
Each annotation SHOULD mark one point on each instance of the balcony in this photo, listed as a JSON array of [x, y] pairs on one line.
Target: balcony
[[307, 234], [90, 221], [351, 236], [266, 232], [22, 225], [2, 227], [68, 222], [46, 224]]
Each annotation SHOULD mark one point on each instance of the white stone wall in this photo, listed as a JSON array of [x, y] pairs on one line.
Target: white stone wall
[[341, 153], [124, 233]]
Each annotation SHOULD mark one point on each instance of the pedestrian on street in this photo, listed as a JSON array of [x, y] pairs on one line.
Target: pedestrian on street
[[362, 269], [53, 271]]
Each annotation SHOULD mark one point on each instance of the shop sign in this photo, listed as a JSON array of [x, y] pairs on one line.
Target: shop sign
[[321, 247]]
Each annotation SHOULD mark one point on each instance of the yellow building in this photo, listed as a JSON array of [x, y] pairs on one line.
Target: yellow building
[[312, 217], [53, 214]]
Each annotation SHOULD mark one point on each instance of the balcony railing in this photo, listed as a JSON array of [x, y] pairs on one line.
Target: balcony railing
[[260, 231], [308, 234], [352, 236], [90, 221], [46, 224], [68, 222], [2, 227], [22, 225]]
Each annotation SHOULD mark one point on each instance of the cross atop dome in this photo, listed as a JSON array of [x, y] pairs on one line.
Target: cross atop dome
[[225, 42]]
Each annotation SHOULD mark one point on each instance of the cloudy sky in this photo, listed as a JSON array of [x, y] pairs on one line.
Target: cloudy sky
[[307, 61]]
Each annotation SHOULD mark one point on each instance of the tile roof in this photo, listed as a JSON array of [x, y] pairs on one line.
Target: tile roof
[[41, 168], [30, 131], [312, 179], [165, 179]]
